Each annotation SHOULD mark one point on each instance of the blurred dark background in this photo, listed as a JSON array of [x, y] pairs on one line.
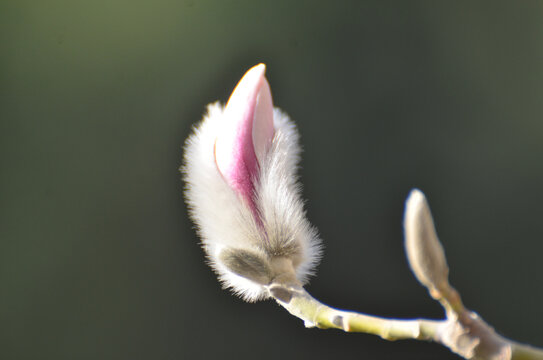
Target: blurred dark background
[[98, 259]]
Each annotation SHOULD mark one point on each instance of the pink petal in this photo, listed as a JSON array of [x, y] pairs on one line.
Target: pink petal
[[246, 134]]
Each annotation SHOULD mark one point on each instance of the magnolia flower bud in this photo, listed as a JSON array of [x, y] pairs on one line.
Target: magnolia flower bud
[[241, 189], [424, 251]]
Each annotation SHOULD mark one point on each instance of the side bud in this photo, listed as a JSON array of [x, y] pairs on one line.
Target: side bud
[[424, 251]]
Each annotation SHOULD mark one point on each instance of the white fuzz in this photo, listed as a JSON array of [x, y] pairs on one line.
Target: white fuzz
[[231, 235]]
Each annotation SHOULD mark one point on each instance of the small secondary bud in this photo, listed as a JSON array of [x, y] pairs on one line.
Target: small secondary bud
[[424, 251]]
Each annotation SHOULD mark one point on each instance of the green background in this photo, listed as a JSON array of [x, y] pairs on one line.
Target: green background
[[98, 259]]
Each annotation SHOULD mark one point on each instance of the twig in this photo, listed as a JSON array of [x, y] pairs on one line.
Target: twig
[[462, 331], [316, 314]]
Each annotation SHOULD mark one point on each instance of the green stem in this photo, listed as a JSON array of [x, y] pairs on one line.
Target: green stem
[[525, 352], [314, 313], [465, 333]]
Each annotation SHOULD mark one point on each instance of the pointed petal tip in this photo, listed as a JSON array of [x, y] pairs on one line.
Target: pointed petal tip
[[249, 83], [259, 69], [247, 131]]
